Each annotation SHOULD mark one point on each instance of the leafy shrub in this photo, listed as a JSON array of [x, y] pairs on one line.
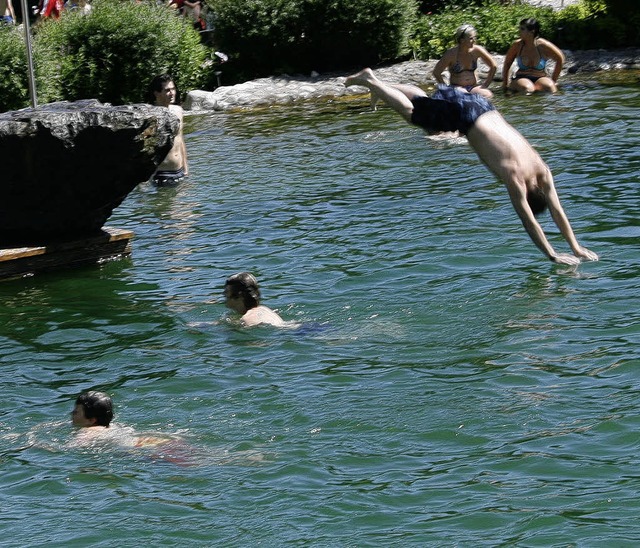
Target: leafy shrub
[[114, 52], [261, 36], [271, 36], [588, 24], [592, 24], [348, 33], [497, 26], [14, 83]]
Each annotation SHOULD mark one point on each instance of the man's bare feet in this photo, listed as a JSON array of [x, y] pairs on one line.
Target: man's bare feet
[[362, 78]]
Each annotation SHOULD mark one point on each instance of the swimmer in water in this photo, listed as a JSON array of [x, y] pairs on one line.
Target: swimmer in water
[[505, 152], [243, 296], [93, 409], [93, 413]]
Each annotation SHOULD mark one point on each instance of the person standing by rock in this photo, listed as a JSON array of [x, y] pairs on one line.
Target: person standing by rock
[[173, 168]]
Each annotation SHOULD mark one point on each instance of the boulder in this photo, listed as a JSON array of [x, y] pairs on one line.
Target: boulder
[[66, 166]]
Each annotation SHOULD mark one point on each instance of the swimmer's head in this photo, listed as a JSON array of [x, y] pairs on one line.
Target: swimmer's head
[[92, 409], [537, 201], [464, 31], [243, 286]]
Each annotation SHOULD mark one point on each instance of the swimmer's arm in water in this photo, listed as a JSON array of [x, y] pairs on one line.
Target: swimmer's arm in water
[[119, 437], [151, 441], [517, 194], [562, 222], [88, 435], [518, 197]]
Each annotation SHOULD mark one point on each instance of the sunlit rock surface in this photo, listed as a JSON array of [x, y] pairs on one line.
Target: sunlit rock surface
[[285, 89]]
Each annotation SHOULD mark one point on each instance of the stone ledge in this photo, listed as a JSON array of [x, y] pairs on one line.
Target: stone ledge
[[283, 90]]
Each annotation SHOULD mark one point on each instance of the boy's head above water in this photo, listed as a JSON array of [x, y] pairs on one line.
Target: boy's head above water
[[92, 409]]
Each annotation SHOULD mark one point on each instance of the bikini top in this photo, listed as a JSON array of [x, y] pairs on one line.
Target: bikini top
[[458, 68], [542, 63]]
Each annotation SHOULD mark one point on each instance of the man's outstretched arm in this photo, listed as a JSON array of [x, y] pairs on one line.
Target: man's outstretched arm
[[518, 196], [562, 222]]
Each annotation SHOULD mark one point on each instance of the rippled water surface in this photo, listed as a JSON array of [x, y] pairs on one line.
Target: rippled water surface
[[445, 384]]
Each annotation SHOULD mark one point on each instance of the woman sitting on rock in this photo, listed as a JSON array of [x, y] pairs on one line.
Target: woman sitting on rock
[[531, 53], [462, 61]]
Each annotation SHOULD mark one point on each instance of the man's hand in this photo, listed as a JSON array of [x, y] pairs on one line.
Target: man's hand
[[565, 258], [585, 254]]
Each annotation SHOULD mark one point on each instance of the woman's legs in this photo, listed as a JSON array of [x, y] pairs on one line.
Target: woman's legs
[[486, 93], [545, 84], [522, 84], [396, 96]]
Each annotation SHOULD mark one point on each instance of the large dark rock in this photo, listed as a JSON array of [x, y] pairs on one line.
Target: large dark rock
[[64, 167]]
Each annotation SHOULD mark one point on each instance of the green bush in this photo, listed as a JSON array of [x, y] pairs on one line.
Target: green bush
[[272, 36], [592, 24], [589, 24], [261, 36], [114, 52], [14, 82], [497, 26], [352, 33]]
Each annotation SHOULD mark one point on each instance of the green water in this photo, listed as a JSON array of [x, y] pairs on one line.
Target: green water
[[448, 386]]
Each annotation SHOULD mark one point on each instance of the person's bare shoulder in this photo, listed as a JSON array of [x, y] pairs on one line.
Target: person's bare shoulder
[[515, 46], [450, 53], [262, 315], [177, 110]]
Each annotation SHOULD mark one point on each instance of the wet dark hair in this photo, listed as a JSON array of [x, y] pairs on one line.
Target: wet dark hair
[[532, 24], [158, 83], [244, 285], [537, 201], [96, 405]]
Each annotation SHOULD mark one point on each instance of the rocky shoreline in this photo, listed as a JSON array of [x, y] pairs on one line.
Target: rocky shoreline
[[284, 90]]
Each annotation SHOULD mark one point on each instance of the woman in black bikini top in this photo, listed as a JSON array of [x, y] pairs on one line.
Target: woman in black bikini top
[[461, 62]]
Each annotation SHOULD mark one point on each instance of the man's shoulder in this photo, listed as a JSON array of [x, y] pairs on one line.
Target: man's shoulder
[[262, 314], [176, 109]]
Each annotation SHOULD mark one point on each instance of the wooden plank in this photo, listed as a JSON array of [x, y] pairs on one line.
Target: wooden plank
[[19, 252], [110, 243]]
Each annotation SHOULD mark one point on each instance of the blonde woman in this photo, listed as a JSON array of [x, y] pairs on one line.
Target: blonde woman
[[461, 62]]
